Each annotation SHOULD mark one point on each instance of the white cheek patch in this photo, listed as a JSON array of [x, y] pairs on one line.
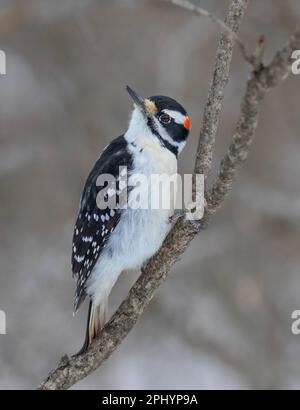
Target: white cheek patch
[[176, 115]]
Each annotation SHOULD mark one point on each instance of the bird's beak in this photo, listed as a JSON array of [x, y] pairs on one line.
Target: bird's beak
[[137, 99], [147, 106]]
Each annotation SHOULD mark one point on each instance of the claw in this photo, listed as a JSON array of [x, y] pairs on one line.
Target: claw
[[198, 226], [177, 215], [195, 223]]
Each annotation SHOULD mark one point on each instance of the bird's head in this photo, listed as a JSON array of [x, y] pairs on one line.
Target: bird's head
[[162, 118]]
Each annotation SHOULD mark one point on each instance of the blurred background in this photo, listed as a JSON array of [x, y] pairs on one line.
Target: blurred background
[[223, 318]]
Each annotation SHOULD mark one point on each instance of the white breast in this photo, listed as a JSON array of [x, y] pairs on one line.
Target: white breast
[[140, 232]]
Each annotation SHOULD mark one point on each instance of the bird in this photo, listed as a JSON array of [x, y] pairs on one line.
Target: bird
[[108, 241]]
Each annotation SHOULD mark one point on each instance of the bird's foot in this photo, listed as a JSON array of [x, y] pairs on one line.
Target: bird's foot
[[177, 215], [196, 224]]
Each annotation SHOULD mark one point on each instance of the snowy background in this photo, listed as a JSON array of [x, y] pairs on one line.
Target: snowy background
[[223, 318]]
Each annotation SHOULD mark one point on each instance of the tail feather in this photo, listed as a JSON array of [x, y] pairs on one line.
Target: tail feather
[[97, 317], [97, 320]]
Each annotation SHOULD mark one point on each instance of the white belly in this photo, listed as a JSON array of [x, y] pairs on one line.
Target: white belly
[[139, 233], [138, 236]]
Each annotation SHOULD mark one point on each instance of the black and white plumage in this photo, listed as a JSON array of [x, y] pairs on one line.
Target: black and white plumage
[[94, 226], [108, 241]]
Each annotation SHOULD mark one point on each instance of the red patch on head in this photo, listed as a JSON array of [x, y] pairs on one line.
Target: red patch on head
[[187, 123]]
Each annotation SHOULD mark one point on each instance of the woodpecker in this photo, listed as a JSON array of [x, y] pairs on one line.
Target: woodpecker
[[109, 241]]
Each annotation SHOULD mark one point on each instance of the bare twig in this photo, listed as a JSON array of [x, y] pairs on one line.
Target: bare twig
[[228, 31], [258, 53], [69, 371], [219, 81], [259, 83]]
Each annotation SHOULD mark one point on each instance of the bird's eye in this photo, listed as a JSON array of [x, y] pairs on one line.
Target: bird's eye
[[165, 118]]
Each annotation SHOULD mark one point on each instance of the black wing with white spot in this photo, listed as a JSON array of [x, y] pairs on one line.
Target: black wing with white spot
[[94, 226]]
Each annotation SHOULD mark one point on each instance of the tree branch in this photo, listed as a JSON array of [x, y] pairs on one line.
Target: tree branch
[[229, 32], [216, 91], [259, 83], [69, 371]]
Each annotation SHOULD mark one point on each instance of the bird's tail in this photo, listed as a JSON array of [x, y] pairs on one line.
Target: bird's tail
[[97, 317]]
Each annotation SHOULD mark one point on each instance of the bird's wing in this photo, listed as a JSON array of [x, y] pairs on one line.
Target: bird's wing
[[94, 225]]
